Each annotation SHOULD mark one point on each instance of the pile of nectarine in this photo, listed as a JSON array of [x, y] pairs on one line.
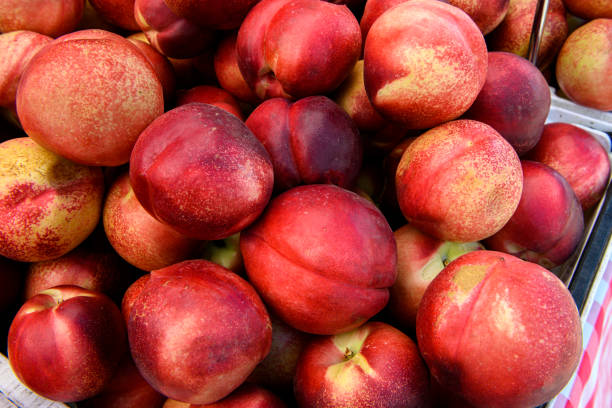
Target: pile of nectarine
[[277, 203]]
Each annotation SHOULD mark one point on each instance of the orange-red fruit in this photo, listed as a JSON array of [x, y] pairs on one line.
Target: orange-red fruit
[[200, 170], [321, 257], [16, 50], [48, 17], [424, 63], [487, 14], [88, 96], [499, 331], [66, 342], [513, 34], [460, 181], [197, 330], [589, 9], [136, 235], [578, 157], [584, 65]]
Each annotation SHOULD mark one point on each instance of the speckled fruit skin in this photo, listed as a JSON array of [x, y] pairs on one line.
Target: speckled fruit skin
[[127, 389], [374, 9], [578, 157], [310, 141], [162, 66], [48, 17], [211, 95], [170, 34], [374, 366], [515, 100], [499, 331], [199, 169], [584, 65], [321, 257], [460, 181], [48, 205], [89, 269], [17, 49], [352, 97], [589, 9], [424, 63], [297, 48], [487, 14], [87, 96], [131, 294], [66, 342], [512, 35], [246, 396], [118, 12], [548, 222], [211, 13], [197, 330], [136, 235]]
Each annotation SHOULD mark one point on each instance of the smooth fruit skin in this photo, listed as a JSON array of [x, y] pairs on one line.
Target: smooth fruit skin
[[373, 366], [212, 14], [118, 12], [228, 73], [200, 170], [321, 257], [515, 100], [87, 96], [420, 258], [578, 157], [170, 34], [310, 141], [91, 269], [197, 330], [211, 95], [66, 342], [48, 205], [294, 49], [127, 389], [460, 181], [584, 65], [548, 223], [277, 370], [352, 97], [245, 396], [499, 331], [136, 235], [424, 63]]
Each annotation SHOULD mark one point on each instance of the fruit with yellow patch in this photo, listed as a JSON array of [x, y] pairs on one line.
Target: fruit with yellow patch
[[499, 331], [420, 258], [424, 63], [584, 65], [372, 366], [460, 181]]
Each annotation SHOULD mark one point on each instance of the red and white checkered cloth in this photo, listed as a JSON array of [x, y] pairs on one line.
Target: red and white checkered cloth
[[591, 385]]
